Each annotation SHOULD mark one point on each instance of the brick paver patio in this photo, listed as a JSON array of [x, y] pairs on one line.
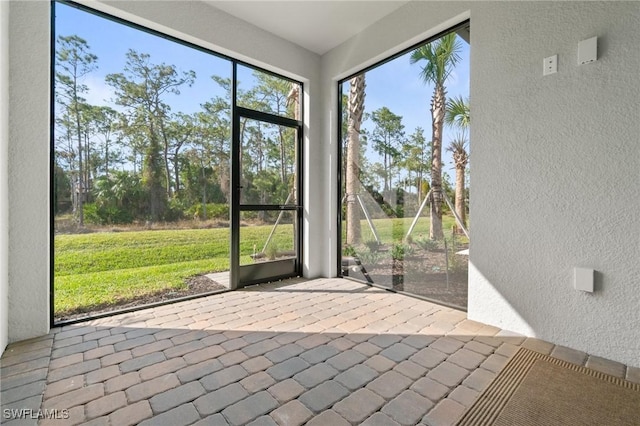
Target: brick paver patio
[[318, 352]]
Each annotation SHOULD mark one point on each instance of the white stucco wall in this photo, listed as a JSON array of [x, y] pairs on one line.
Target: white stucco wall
[[555, 163], [28, 293], [4, 184], [556, 173], [28, 169]]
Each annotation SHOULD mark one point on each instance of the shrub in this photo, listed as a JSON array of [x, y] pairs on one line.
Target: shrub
[[90, 211], [348, 251], [399, 251], [409, 250], [214, 211], [427, 243], [218, 211], [174, 212], [105, 215], [369, 257]]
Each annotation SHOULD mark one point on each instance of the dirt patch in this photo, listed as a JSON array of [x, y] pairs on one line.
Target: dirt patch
[[198, 284]]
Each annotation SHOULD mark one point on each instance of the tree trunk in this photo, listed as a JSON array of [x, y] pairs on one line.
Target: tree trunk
[[437, 117], [106, 158], [204, 191], [167, 170], [386, 175], [293, 98], [419, 180], [80, 170], [87, 167], [176, 171], [356, 109], [153, 177], [283, 156], [459, 203]]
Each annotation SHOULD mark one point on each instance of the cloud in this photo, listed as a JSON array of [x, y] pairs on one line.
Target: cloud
[[99, 92]]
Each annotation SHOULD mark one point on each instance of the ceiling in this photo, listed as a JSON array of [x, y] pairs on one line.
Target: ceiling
[[318, 26]]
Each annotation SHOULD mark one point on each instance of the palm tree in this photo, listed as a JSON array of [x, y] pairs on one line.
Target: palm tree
[[441, 57], [457, 115], [458, 149], [356, 110], [293, 103]]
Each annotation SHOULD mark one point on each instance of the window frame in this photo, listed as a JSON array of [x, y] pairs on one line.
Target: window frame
[[234, 62]]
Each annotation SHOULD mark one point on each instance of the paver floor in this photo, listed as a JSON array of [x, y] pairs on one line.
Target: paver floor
[[318, 352]]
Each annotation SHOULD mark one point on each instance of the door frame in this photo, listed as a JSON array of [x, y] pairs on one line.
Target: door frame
[[244, 275]]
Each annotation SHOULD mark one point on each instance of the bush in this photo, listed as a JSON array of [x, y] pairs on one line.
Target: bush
[[174, 211], [348, 251], [427, 243], [105, 215], [369, 257], [218, 211], [90, 211], [214, 211], [399, 251]]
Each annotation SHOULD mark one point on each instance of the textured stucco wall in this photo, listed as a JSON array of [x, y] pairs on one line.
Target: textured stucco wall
[[29, 31], [555, 169], [28, 169], [4, 200], [555, 162]]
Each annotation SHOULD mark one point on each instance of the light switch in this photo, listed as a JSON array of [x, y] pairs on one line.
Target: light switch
[[588, 51], [583, 279]]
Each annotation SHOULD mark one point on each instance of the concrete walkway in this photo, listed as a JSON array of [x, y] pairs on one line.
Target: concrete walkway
[[317, 352]]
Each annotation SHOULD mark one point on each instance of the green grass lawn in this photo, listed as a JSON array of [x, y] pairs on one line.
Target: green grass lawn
[[98, 269], [395, 230], [107, 268]]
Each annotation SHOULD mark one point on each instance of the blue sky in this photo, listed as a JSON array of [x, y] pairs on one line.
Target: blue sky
[[395, 84], [110, 41]]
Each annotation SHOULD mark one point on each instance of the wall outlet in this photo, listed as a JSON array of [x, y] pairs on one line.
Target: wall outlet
[[550, 65]]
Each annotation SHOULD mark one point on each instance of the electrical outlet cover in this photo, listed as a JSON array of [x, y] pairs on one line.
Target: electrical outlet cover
[[550, 65]]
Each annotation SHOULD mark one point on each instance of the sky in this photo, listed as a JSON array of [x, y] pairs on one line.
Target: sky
[[110, 41], [395, 84]]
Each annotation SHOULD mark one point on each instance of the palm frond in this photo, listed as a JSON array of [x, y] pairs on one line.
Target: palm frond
[[458, 144], [441, 57], [457, 112]]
